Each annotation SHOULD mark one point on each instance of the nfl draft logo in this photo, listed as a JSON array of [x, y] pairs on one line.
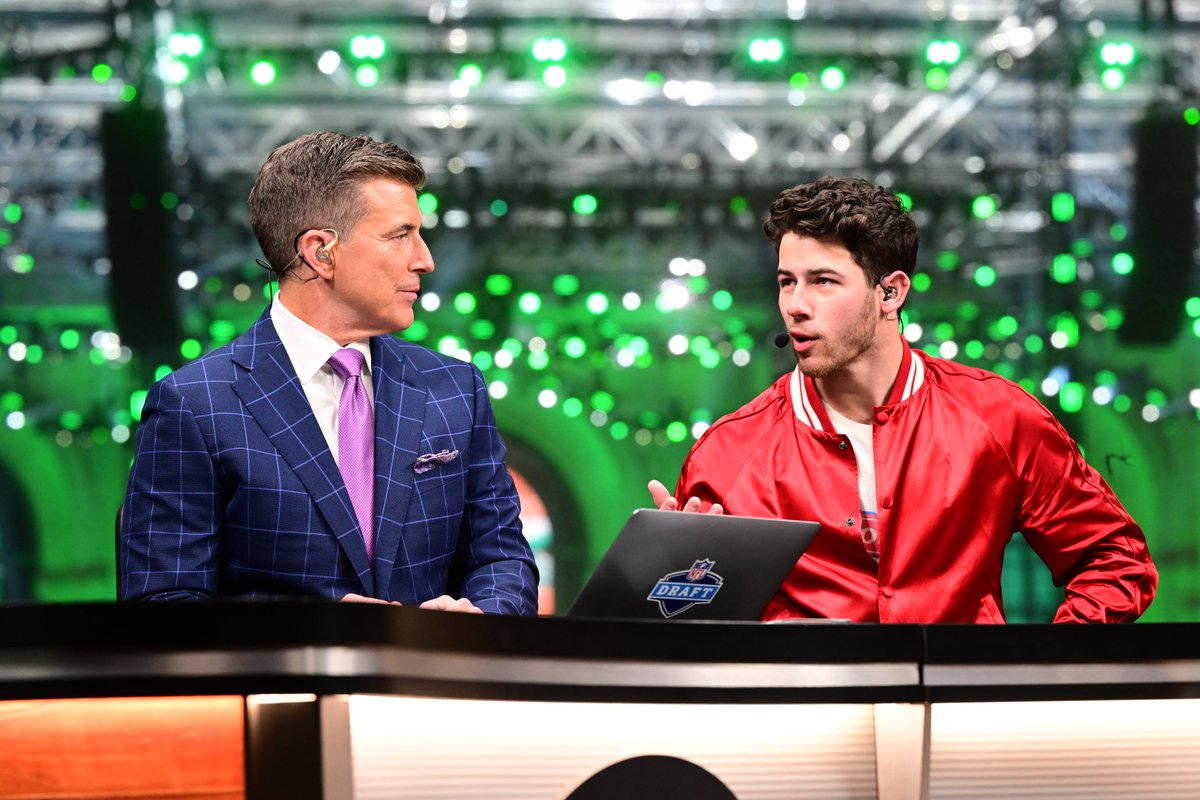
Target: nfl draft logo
[[679, 591]]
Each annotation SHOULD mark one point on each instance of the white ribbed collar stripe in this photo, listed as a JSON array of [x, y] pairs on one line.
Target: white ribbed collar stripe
[[802, 401]]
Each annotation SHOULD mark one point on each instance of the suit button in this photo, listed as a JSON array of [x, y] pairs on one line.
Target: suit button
[[887, 591], [841, 445], [886, 501], [881, 417]]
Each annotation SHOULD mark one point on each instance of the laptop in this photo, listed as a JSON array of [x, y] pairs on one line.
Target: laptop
[[683, 565]]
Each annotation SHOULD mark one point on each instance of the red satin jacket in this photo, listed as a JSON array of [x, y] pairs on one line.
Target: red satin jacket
[[963, 459]]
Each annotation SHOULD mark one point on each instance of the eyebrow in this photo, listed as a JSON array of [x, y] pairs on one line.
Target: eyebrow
[[407, 227]]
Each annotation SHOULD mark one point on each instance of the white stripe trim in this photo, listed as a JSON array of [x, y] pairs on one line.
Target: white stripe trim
[[916, 376], [800, 404]]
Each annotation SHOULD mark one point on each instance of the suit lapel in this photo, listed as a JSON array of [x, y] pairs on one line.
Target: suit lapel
[[400, 393], [274, 397]]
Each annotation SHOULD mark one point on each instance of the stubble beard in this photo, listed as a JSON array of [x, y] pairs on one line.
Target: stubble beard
[[856, 341]]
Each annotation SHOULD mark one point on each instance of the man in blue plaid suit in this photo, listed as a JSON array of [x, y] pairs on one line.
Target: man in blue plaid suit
[[236, 489]]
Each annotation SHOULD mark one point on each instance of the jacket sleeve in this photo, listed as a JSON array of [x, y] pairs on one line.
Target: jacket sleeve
[[494, 565], [170, 521], [1078, 527]]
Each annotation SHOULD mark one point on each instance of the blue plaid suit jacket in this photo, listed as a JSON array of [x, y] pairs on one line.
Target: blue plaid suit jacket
[[234, 492]]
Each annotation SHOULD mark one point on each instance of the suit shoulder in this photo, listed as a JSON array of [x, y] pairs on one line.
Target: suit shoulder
[[991, 396]]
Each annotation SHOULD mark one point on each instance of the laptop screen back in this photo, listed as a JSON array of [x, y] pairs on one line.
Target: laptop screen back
[[680, 565]]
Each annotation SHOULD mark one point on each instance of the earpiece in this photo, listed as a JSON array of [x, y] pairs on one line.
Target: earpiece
[[888, 293], [323, 256]]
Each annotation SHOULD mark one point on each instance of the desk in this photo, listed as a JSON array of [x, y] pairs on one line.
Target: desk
[[370, 701]]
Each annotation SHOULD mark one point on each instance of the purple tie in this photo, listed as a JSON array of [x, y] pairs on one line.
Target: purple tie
[[356, 441]]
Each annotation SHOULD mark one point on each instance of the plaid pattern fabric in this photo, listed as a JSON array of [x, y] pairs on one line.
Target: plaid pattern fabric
[[234, 492]]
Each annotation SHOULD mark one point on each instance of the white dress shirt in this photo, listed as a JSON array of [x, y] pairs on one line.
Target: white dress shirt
[[309, 351]]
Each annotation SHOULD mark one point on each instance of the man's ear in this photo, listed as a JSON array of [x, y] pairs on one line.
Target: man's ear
[[894, 287], [315, 248]]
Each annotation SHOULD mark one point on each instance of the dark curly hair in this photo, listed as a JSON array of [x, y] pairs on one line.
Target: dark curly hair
[[866, 219], [313, 182]]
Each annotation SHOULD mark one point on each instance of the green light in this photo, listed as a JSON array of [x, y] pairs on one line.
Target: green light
[[11, 401], [1122, 403], [1196, 328], [498, 208], [1070, 397], [710, 359], [906, 201], [470, 74], [34, 353], [799, 80], [529, 303], [1122, 263], [175, 72], [549, 49], [921, 282], [739, 205], [1064, 268], [136, 401], [161, 372], [1007, 325], [1067, 324], [212, 284], [619, 431], [572, 407], [539, 360], [574, 347], [967, 311], [102, 73], [1192, 307], [974, 349], [137, 201], [946, 260], [985, 276], [483, 360], [603, 401], [1156, 397], [1091, 299], [190, 348], [366, 75], [833, 78], [185, 44], [263, 73], [22, 263], [128, 93], [1118, 232], [12, 213], [1191, 115], [482, 329], [498, 285], [597, 303], [765, 50], [554, 76], [585, 204], [221, 330], [6, 237], [367, 46], [1082, 248], [1117, 53], [722, 300], [417, 332], [1106, 377], [566, 284], [464, 303], [1062, 206], [983, 206], [169, 200], [71, 420], [427, 203], [677, 431], [937, 79], [1112, 78], [943, 331], [943, 52], [1113, 318]]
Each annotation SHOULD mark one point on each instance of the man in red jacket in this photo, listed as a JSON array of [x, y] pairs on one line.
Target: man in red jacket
[[918, 469]]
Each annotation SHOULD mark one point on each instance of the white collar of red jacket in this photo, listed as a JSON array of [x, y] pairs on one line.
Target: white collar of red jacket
[[810, 409]]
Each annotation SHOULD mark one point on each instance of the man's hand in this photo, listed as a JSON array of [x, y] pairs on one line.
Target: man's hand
[[448, 603], [358, 598], [665, 501]]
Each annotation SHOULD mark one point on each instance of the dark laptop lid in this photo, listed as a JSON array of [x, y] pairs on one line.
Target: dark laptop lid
[[681, 565]]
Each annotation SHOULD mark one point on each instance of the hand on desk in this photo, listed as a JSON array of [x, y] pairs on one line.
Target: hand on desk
[[443, 603], [665, 501]]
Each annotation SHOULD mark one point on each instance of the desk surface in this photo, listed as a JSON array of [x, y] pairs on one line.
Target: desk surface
[[338, 648]]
